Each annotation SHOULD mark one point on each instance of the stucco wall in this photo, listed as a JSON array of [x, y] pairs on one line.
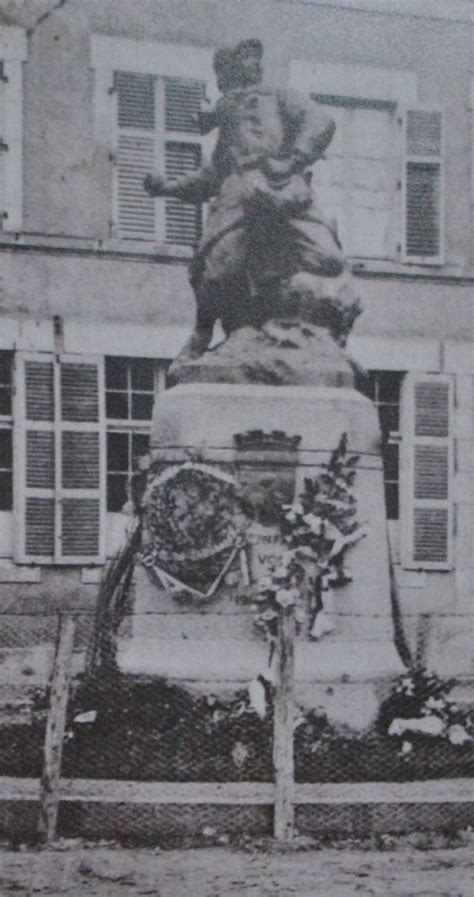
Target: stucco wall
[[141, 289], [67, 265], [68, 177]]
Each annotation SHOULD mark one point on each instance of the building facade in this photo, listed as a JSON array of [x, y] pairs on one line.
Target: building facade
[[95, 300]]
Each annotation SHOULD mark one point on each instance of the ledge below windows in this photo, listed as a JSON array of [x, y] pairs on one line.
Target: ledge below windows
[[14, 573], [111, 248], [176, 254]]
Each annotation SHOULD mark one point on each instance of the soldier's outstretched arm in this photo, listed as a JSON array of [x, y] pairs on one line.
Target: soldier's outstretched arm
[[197, 186]]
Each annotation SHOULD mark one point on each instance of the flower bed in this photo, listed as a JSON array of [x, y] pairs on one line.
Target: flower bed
[[151, 730], [374, 758], [21, 749]]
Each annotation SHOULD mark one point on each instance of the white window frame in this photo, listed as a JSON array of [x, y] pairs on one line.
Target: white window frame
[[394, 437], [110, 54], [13, 53], [133, 425]]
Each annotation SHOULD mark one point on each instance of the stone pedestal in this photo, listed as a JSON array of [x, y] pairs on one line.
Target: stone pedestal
[[216, 641]]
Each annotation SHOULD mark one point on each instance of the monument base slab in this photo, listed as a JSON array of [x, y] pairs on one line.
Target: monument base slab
[[215, 640]]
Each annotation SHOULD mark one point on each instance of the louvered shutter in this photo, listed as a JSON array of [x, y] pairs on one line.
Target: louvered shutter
[[181, 102], [80, 439], [423, 186], [182, 220], [135, 155], [35, 464], [427, 467], [59, 460], [157, 130]]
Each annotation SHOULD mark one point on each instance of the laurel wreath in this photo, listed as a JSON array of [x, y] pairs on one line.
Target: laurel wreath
[[195, 525], [196, 529]]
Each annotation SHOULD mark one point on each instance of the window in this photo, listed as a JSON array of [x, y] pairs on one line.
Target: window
[[147, 98], [12, 55], [59, 455], [382, 177], [130, 385], [367, 181], [6, 447], [415, 414], [157, 131], [384, 390]]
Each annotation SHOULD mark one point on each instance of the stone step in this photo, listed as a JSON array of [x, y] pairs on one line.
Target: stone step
[[215, 626], [241, 660]]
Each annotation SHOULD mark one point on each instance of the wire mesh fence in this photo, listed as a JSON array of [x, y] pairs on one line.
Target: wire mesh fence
[[126, 727], [146, 731]]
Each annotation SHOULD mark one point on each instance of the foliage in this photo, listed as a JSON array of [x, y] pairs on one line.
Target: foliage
[[420, 707], [112, 602], [317, 530], [131, 727]]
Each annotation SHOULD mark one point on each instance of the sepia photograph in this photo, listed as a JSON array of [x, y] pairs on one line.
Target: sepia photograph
[[236, 448]]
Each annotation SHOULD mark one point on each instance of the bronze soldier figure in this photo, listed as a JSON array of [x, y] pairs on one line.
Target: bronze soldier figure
[[263, 225]]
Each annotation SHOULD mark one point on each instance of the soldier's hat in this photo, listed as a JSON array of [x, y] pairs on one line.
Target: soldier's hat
[[251, 43], [224, 58]]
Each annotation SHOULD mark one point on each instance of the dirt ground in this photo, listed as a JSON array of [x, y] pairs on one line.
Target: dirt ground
[[224, 872]]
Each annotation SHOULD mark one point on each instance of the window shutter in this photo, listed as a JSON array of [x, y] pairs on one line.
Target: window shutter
[[157, 130], [181, 103], [427, 471], [423, 186], [35, 464], [182, 220], [81, 482], [135, 155], [60, 460]]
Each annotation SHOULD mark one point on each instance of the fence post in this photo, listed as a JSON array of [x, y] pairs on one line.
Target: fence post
[[284, 715], [53, 746]]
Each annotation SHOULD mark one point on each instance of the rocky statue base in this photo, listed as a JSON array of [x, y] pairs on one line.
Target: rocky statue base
[[215, 641], [294, 337], [281, 352]]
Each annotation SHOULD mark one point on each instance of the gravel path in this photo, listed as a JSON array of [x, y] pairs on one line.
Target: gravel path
[[222, 872]]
